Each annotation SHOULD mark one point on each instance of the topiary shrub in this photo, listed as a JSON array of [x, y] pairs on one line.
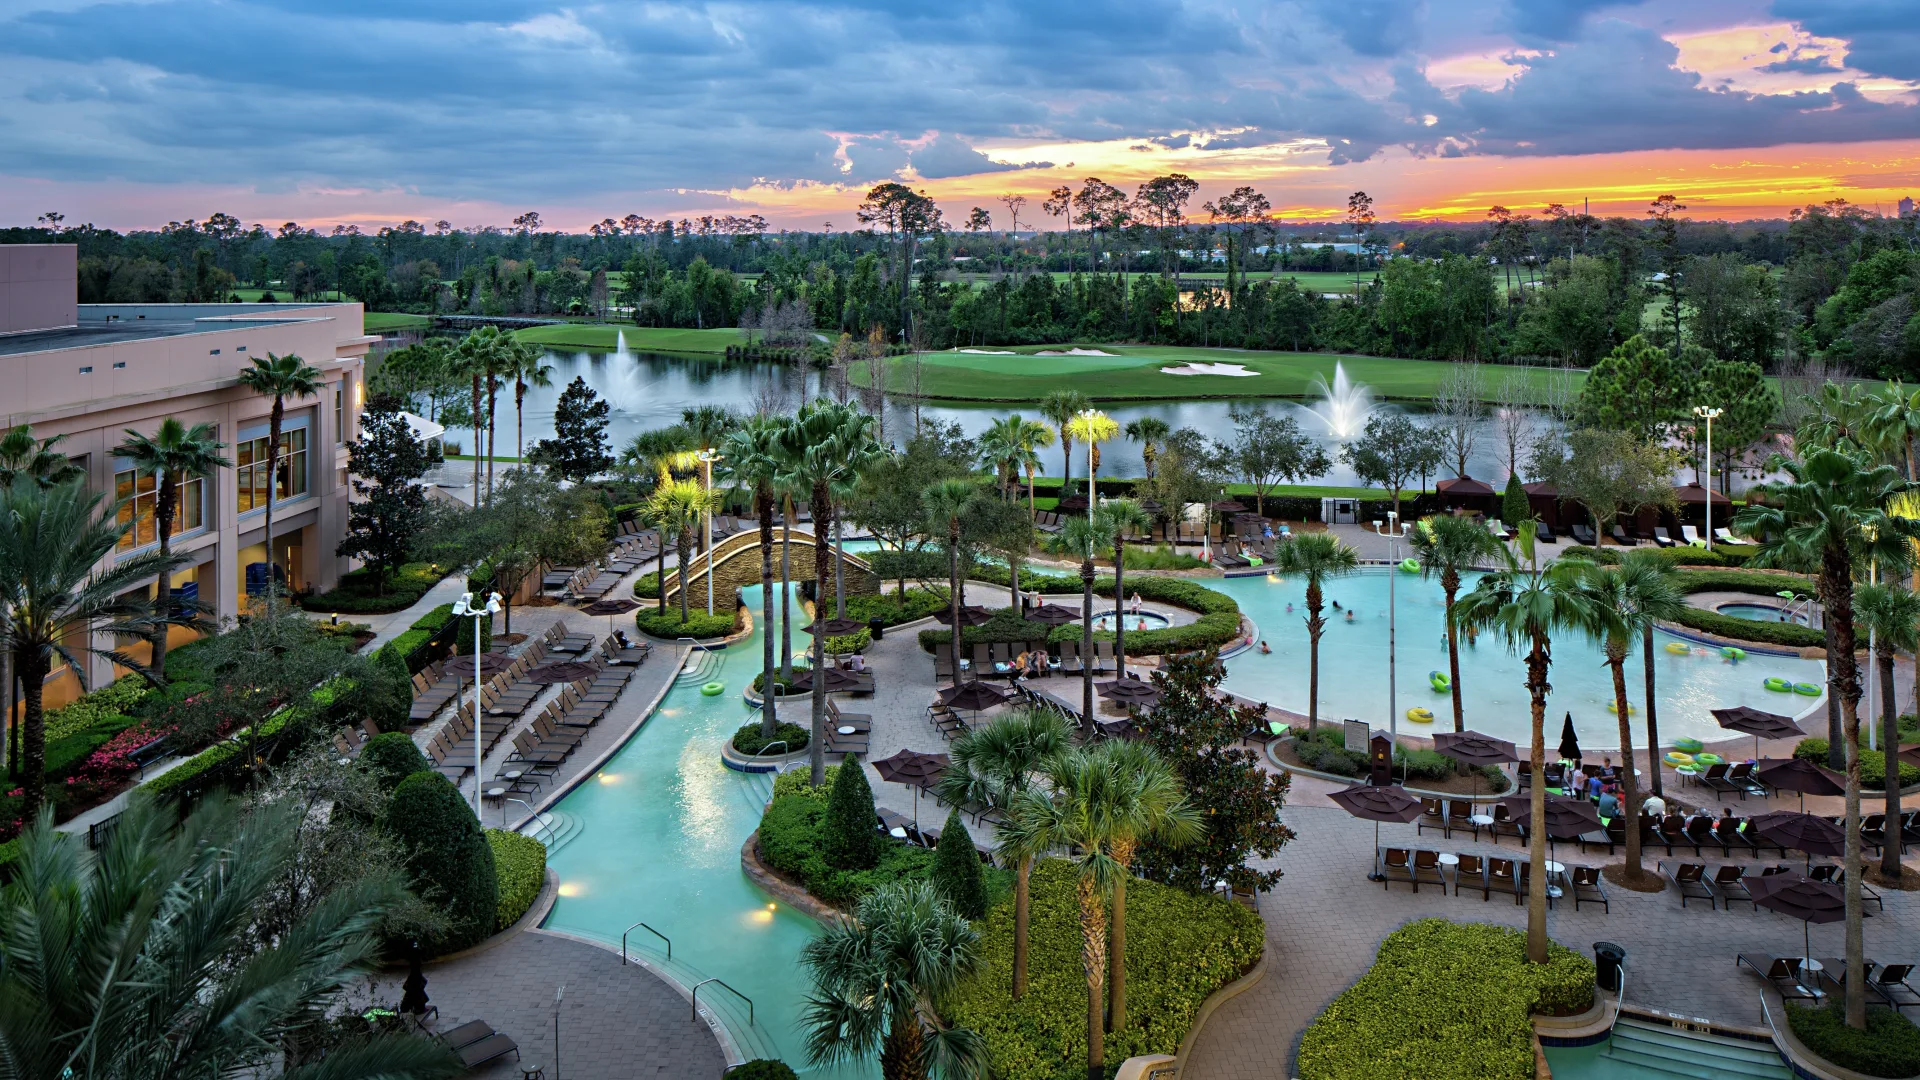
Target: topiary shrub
[[762, 1069], [1890, 1046], [850, 838], [448, 859], [122, 697], [748, 739], [957, 874], [390, 758], [520, 865], [1514, 507], [699, 624]]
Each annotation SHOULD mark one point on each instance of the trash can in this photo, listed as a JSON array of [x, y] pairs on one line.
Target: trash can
[[876, 628], [1608, 959]]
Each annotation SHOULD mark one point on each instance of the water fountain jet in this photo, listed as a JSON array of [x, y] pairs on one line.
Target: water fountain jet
[[1344, 406]]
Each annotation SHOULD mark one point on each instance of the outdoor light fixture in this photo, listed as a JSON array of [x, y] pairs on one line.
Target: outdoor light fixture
[[1707, 413], [1394, 531], [464, 608], [706, 458]]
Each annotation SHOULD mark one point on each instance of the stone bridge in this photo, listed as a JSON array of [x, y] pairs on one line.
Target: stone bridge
[[736, 564]]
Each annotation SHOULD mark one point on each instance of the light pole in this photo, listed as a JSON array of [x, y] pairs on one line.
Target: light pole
[[1393, 532], [1707, 413], [1087, 415], [464, 608], [707, 458], [1873, 652]]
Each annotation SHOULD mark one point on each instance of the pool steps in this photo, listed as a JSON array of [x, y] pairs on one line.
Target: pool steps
[[554, 828], [1657, 1052]]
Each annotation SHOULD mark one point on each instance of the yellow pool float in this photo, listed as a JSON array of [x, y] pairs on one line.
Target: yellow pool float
[[1677, 759], [1419, 715], [1678, 649], [1614, 708]]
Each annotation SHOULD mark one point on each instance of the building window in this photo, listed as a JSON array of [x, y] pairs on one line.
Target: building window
[[139, 500], [340, 412], [250, 469]]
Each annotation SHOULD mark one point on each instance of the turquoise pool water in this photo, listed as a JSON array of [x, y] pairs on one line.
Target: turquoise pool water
[[661, 825], [1353, 667], [1760, 613]]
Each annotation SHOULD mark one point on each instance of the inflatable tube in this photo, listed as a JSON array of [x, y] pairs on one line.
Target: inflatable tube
[[1808, 689], [1409, 566], [1419, 715], [1687, 746], [1439, 681], [1708, 759], [1677, 759], [1777, 684], [1614, 708], [1678, 649], [714, 689], [1732, 653]]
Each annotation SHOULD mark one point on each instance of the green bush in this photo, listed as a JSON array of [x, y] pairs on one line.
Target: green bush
[[792, 841], [1789, 634], [1873, 764], [849, 840], [448, 859], [762, 1069], [843, 644], [647, 586], [1890, 1046], [1758, 582], [797, 783], [1678, 555], [520, 866], [355, 594], [1180, 949], [1324, 748], [390, 758], [214, 764], [895, 608], [1424, 764], [748, 739], [122, 697], [1161, 557], [699, 624], [956, 869], [1445, 1001]]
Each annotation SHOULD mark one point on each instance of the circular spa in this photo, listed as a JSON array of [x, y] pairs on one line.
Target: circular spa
[[1691, 677], [1145, 620], [1763, 613]]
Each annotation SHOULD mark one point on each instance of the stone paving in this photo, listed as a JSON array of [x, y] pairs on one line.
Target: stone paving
[[615, 1022]]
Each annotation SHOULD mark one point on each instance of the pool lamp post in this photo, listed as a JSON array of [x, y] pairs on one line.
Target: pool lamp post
[[706, 459], [1707, 413], [1393, 532], [464, 608]]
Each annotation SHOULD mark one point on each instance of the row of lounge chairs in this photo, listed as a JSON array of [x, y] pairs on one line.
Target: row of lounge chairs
[[349, 740], [841, 742], [887, 821], [558, 731], [996, 660], [1791, 977], [475, 1043], [1726, 884], [1486, 876]]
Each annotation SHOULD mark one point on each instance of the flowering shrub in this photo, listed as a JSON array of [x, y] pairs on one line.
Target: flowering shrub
[[108, 767]]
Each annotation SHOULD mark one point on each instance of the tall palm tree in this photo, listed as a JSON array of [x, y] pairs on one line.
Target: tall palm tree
[[529, 366], [1151, 805], [679, 506], [1000, 447], [1082, 538], [853, 451], [24, 457], [1525, 604], [280, 377], [1315, 558], [1446, 546], [1626, 602], [1093, 427], [473, 359], [1116, 518], [50, 541], [1890, 615], [1830, 511], [1034, 437], [991, 766], [1060, 407], [946, 502], [876, 977], [1654, 605], [1150, 432], [1893, 423], [754, 450], [129, 963], [172, 455], [815, 446]]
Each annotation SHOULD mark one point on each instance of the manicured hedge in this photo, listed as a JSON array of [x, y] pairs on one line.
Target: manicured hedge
[[448, 858], [1890, 1046], [1444, 1001], [122, 697], [1218, 625], [748, 739], [699, 624], [647, 586], [214, 764], [1757, 582], [391, 757], [355, 594], [792, 835], [1792, 635], [763, 1069], [894, 608], [1678, 555], [1180, 949], [1873, 764], [520, 865]]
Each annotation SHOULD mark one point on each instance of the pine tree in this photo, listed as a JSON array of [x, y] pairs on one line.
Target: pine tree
[[957, 875], [1513, 502], [389, 509], [578, 449], [850, 839]]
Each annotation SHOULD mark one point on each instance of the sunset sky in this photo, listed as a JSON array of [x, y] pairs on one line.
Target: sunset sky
[[130, 114]]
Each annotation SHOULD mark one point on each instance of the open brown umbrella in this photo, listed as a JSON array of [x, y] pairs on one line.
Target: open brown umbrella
[[971, 615], [1568, 818], [1797, 774], [1053, 615], [1802, 832], [1473, 748], [491, 663], [1761, 725], [1911, 755], [1378, 804], [834, 627], [914, 769], [1226, 506], [1800, 896], [973, 696], [609, 608], [1129, 691], [565, 671], [837, 681]]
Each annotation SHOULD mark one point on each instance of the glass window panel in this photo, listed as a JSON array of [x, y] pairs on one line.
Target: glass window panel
[[243, 454], [192, 505]]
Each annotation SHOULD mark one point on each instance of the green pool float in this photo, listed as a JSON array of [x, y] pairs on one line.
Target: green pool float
[[1778, 684], [1708, 759], [1808, 689], [1409, 566], [714, 689], [1687, 746]]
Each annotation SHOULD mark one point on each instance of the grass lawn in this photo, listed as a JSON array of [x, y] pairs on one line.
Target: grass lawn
[[1133, 373], [381, 321], [603, 337]]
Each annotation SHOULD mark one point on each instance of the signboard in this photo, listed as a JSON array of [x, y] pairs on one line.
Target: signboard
[[1357, 734]]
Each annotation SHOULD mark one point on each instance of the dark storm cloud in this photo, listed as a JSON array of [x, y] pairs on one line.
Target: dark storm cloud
[[1883, 36]]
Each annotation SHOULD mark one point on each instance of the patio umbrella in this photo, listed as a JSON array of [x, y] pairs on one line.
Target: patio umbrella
[[1568, 818], [1761, 725], [1569, 742], [1800, 896], [1226, 506], [491, 663], [1053, 615], [1911, 755], [837, 681], [973, 696], [1802, 832], [1129, 691], [914, 769], [1472, 749], [565, 671], [834, 627], [1378, 804], [609, 608], [971, 615], [1152, 507], [1795, 774]]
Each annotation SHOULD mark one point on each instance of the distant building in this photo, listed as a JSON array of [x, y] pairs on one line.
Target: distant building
[[1906, 206], [90, 372]]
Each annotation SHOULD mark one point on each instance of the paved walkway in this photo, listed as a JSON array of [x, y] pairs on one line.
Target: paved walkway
[[388, 627], [615, 1022]]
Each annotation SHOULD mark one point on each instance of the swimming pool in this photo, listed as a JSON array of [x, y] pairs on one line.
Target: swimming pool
[[1146, 620], [661, 825], [1353, 667], [1762, 613]]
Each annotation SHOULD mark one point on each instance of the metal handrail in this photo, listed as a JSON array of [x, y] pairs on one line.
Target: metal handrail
[[532, 814], [648, 929], [735, 993], [781, 743]]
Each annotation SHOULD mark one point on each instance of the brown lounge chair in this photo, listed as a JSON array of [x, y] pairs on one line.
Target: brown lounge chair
[[1690, 879], [1783, 972], [1587, 888], [476, 1043], [1396, 864], [1890, 982]]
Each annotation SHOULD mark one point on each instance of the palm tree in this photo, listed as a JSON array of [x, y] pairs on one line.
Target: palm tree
[[1151, 806], [754, 450], [530, 368], [1626, 602], [1655, 605], [173, 455], [1060, 407], [1150, 432], [1034, 436], [1526, 605], [946, 502], [1446, 546], [1890, 616], [1830, 511], [1893, 422], [853, 451], [282, 377], [991, 766], [816, 447], [50, 541], [876, 977], [1000, 446], [472, 358], [1082, 538], [24, 457], [1315, 557], [679, 506], [130, 962], [1093, 427], [1116, 518]]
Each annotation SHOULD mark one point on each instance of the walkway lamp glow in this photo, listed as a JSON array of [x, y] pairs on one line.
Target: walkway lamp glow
[[464, 608], [1394, 532], [706, 459], [1707, 413]]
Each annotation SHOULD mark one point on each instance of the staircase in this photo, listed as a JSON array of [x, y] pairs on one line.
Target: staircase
[[554, 828], [1640, 1048], [702, 665]]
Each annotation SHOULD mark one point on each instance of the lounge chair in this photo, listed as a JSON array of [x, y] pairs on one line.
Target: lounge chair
[[466, 1034], [492, 1048], [1890, 983], [1783, 972], [1543, 532], [1661, 538], [1433, 815], [1504, 824], [1730, 883], [1692, 536], [1498, 530], [1620, 537], [1690, 879], [1502, 878], [1587, 888], [1460, 816], [1396, 864], [1426, 867], [1472, 874]]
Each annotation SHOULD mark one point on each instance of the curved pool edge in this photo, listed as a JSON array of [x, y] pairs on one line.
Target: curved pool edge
[[729, 1046]]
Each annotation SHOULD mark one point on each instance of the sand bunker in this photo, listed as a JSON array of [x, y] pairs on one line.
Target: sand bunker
[[988, 352], [1237, 370], [1074, 352]]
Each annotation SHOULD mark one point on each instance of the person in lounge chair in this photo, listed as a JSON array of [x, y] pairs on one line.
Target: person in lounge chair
[[1609, 806], [1654, 806]]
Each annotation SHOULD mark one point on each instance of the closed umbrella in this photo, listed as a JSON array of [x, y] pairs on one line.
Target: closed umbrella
[[1569, 742], [1757, 723], [914, 769], [973, 696], [1803, 898], [1378, 804], [1796, 774]]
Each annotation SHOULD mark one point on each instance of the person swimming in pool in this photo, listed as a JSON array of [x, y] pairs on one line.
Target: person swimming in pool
[[1289, 607], [1349, 614], [1336, 605], [1264, 648]]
